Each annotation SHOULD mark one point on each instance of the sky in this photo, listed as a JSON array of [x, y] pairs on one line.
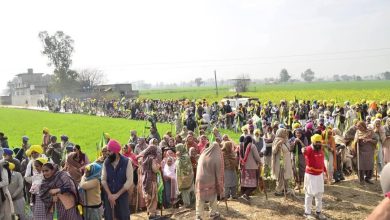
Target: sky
[[173, 41]]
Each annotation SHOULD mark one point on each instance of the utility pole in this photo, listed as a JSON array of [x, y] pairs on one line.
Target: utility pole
[[216, 85]]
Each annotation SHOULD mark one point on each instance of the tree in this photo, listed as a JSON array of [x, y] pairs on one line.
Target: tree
[[386, 75], [284, 76], [336, 77], [59, 48], [199, 81], [308, 75], [88, 79]]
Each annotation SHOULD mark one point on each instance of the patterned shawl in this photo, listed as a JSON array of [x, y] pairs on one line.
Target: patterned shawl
[[149, 154], [229, 157], [184, 170], [210, 173], [60, 179]]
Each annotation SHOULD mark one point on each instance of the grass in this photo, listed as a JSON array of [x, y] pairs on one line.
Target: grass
[[340, 91], [81, 129]]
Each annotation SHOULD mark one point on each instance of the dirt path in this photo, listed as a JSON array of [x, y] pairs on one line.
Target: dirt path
[[345, 200]]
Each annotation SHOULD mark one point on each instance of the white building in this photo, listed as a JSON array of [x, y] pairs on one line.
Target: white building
[[28, 88]]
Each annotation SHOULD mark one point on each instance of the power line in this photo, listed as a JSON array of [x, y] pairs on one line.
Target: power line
[[254, 58]]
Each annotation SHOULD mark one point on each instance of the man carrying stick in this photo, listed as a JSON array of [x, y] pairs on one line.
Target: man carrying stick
[[314, 178]]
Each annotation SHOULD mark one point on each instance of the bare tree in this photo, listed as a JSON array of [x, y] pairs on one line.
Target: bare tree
[[90, 78], [199, 81]]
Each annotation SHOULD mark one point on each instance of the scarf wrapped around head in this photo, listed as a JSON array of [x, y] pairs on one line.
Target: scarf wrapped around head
[[366, 133], [132, 156], [229, 158], [387, 127], [149, 155], [281, 137], [60, 179], [210, 173], [94, 171], [339, 139]]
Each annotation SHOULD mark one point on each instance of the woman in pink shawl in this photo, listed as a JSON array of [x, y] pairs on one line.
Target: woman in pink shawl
[[209, 180], [202, 144]]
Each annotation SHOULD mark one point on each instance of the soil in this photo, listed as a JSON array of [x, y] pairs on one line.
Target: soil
[[345, 200]]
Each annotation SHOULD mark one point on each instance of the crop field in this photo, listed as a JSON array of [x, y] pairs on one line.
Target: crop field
[[340, 91], [81, 129]]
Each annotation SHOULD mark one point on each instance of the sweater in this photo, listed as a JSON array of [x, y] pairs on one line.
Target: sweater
[[92, 189], [314, 161]]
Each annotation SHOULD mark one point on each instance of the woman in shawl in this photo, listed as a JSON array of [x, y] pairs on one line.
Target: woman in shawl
[[340, 152], [202, 144], [91, 191], [230, 170], [184, 174], [380, 137], [209, 180], [194, 157], [190, 142], [58, 194], [75, 164], [386, 144], [268, 138], [127, 151], [36, 182], [141, 146], [249, 164], [170, 181], [365, 148], [298, 141], [330, 152], [281, 162], [150, 168], [6, 204]]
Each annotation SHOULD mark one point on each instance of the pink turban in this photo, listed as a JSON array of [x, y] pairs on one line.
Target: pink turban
[[114, 146], [309, 126]]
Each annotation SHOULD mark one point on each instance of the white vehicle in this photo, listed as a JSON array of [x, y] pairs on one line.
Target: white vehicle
[[235, 102]]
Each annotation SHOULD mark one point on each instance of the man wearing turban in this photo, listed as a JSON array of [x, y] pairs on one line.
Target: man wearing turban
[[35, 151], [8, 156], [117, 177], [314, 178], [16, 190]]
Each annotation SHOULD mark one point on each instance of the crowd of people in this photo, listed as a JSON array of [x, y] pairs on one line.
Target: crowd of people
[[300, 143]]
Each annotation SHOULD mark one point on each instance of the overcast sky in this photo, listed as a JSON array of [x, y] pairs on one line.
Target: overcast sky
[[180, 40]]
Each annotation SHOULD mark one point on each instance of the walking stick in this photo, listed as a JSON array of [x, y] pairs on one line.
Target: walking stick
[[358, 161], [226, 205]]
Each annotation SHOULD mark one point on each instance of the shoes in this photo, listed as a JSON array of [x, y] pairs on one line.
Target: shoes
[[309, 216], [215, 216], [321, 216], [279, 194], [245, 198], [369, 181]]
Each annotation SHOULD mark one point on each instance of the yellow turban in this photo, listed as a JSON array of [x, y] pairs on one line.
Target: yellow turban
[[35, 148], [316, 138], [296, 125], [257, 131], [11, 166], [355, 121], [107, 135], [42, 160], [46, 130]]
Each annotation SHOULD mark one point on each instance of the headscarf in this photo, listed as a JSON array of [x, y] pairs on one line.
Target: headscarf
[[132, 156], [46, 130], [94, 171], [229, 158], [170, 171], [380, 130], [281, 137], [149, 155], [339, 139], [366, 133]]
